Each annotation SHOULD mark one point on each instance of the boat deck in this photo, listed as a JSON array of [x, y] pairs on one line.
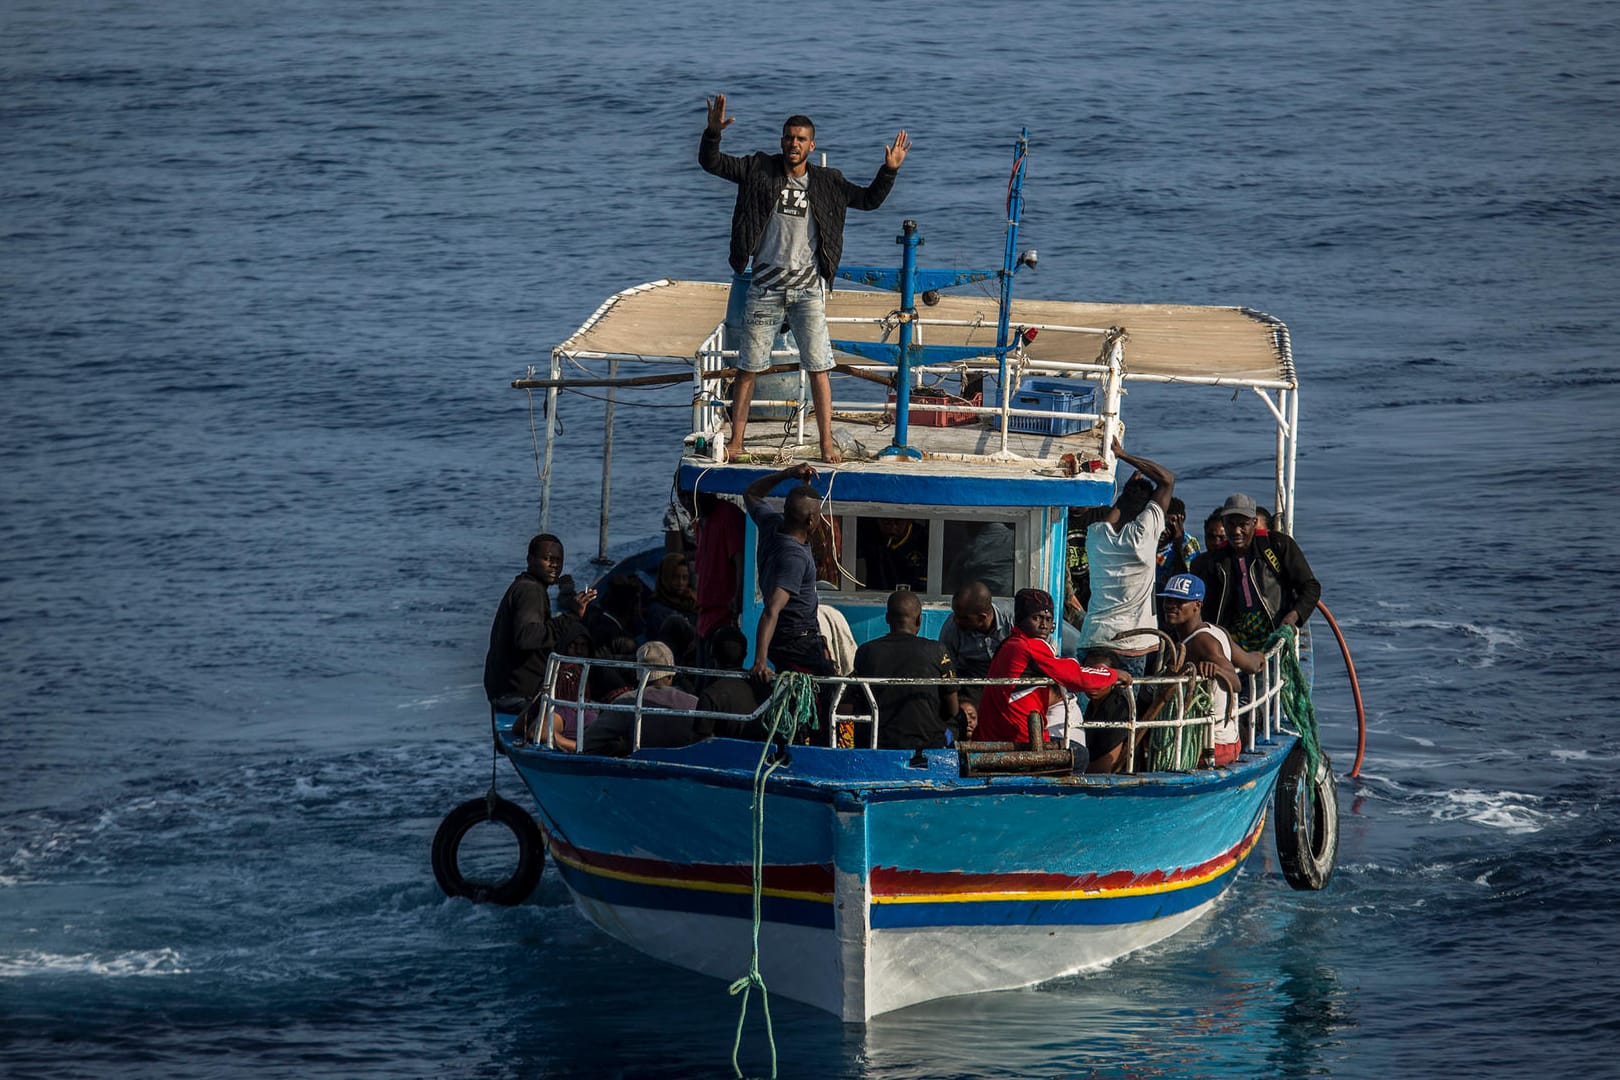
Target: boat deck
[[819, 772]]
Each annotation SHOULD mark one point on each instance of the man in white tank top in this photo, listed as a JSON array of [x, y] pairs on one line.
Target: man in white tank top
[[1212, 653]]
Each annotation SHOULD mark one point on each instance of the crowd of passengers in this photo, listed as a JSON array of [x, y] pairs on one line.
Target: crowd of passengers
[[1132, 567]]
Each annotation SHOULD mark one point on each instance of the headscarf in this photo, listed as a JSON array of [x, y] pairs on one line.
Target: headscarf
[[667, 593]]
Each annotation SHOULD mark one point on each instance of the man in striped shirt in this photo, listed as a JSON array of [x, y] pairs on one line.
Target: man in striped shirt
[[789, 220]]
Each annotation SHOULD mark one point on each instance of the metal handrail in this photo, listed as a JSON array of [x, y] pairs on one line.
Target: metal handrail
[[711, 354], [1263, 709]]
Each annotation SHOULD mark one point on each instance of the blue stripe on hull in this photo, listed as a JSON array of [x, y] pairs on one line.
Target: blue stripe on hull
[[621, 893], [1102, 911], [626, 807]]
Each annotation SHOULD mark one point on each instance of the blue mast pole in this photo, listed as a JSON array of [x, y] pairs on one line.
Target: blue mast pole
[[908, 315], [1009, 259]]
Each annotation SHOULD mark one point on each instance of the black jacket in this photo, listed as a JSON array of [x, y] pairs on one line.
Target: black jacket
[[522, 637], [1277, 571], [911, 715], [760, 178]]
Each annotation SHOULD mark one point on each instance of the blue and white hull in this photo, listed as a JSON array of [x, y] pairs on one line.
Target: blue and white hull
[[886, 885]]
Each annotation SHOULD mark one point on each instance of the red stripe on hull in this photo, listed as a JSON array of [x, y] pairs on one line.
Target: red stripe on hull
[[799, 877], [892, 881]]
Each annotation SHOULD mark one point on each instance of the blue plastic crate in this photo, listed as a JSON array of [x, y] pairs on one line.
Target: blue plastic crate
[[1053, 395]]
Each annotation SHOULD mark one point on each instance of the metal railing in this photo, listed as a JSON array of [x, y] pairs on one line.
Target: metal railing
[[1257, 712], [708, 408]]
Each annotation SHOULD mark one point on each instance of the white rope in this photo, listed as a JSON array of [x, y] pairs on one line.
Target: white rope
[[827, 503]]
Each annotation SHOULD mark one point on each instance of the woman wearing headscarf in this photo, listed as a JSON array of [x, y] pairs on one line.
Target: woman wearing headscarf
[[673, 595]]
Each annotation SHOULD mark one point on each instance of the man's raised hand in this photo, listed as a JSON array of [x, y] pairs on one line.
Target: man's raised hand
[[894, 155], [718, 120], [581, 601]]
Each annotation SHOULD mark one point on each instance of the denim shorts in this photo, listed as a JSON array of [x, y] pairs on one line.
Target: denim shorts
[[805, 311]]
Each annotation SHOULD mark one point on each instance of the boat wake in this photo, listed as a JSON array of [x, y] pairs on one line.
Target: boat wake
[[121, 965]]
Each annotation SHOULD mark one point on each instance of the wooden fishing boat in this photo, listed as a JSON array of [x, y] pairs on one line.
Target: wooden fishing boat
[[862, 880]]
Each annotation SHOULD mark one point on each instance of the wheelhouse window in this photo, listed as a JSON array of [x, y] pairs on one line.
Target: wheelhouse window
[[931, 551]]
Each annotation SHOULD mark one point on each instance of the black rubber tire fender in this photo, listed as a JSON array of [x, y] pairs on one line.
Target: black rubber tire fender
[[455, 827], [1307, 821]]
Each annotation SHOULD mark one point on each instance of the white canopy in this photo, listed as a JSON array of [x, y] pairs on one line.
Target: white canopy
[[670, 320]]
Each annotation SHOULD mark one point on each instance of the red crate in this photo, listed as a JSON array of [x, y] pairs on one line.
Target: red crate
[[938, 419]]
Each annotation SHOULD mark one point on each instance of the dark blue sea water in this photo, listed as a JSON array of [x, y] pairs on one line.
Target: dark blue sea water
[[266, 269]]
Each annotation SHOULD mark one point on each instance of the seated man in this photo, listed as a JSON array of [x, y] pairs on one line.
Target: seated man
[[727, 649], [909, 717], [1005, 711], [1211, 653], [976, 628], [611, 730], [603, 684]]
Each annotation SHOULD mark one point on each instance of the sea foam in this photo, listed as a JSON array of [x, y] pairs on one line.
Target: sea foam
[[1510, 811], [134, 963]]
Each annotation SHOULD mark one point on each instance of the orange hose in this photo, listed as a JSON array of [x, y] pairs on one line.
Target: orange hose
[[1355, 689]]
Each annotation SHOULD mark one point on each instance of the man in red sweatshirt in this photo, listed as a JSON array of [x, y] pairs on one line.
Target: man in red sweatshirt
[[1005, 711]]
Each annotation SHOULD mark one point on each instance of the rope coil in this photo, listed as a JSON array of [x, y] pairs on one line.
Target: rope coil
[[1296, 695], [1162, 753]]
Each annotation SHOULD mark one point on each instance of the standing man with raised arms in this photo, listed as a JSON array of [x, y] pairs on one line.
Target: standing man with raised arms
[[789, 219]]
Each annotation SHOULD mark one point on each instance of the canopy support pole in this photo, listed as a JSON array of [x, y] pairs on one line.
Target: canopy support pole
[[607, 467], [551, 441]]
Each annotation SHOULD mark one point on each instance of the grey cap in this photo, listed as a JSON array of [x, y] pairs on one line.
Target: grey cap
[[1238, 505], [657, 658]]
